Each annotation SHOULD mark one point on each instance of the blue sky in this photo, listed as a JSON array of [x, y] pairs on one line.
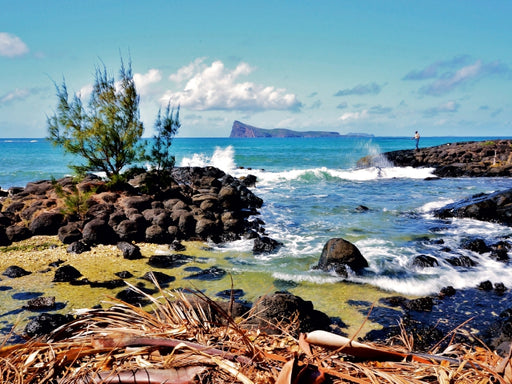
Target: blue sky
[[381, 67]]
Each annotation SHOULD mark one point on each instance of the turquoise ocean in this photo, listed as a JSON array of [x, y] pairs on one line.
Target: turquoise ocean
[[311, 189]]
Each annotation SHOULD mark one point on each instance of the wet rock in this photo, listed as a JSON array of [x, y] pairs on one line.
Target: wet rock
[[424, 261], [162, 279], [78, 247], [265, 244], [362, 208], [169, 261], [212, 273], [228, 294], [494, 207], [446, 292], [421, 304], [249, 181], [45, 323], [130, 296], [14, 272], [475, 245], [485, 286], [39, 303], [462, 261], [177, 246], [500, 288], [66, 273], [499, 251], [130, 251], [338, 254], [108, 284], [124, 274]]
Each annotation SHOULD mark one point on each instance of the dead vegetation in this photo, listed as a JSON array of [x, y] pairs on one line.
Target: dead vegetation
[[178, 342]]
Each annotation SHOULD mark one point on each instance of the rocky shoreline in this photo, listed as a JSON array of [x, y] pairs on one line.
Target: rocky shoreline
[[492, 158], [205, 204]]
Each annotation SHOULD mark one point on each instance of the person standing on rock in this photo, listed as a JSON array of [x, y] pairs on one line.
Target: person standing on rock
[[417, 138]]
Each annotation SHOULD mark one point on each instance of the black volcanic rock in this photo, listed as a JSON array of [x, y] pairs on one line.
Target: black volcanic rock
[[494, 207], [491, 158]]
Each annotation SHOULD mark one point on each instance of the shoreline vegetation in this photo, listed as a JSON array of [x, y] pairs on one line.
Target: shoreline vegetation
[[103, 344]]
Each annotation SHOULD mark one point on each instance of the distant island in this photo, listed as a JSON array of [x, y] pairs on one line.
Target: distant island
[[241, 130]]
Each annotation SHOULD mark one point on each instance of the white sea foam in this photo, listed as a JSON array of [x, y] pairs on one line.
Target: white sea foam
[[222, 158]]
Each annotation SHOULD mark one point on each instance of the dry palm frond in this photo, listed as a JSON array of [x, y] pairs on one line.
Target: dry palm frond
[[180, 341]]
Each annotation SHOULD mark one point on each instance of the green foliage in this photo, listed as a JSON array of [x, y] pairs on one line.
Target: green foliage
[[75, 200], [488, 143], [160, 156], [106, 133], [166, 127]]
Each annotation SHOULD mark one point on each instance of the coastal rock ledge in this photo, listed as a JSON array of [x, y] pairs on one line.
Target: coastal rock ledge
[[491, 158], [197, 204]]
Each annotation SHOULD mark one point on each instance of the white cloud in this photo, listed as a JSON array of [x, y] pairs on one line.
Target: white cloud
[[11, 45], [188, 71], [353, 116], [216, 88], [143, 81], [17, 94], [447, 82], [448, 107]]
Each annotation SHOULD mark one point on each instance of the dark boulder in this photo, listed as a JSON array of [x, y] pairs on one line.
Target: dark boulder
[[162, 279], [494, 207], [424, 261], [169, 261], [212, 273], [97, 231], [263, 245], [461, 261], [421, 304], [14, 272], [475, 245], [157, 235], [281, 309], [78, 247], [17, 233], [130, 251], [140, 203], [66, 273], [44, 324], [40, 303], [4, 240], [70, 232], [128, 230], [338, 254], [38, 187]]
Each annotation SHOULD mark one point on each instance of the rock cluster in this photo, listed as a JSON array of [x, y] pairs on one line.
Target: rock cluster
[[495, 207], [492, 158], [197, 204]]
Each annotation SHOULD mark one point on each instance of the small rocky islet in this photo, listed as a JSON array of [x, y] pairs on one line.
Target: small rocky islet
[[206, 204]]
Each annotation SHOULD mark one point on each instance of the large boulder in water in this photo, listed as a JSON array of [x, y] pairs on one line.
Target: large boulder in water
[[338, 254]]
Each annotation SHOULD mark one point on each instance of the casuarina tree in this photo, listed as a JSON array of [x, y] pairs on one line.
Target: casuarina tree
[[104, 133]]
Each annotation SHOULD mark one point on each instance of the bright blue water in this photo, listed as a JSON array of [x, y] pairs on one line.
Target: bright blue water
[[311, 188]]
